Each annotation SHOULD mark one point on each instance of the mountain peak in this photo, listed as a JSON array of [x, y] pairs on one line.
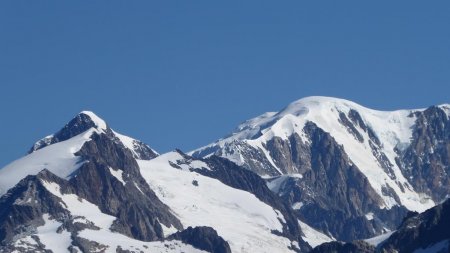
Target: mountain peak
[[88, 120], [82, 122], [99, 123], [303, 105]]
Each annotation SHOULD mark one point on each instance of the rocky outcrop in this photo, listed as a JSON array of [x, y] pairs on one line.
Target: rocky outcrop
[[204, 238], [22, 207], [426, 162], [334, 195], [87, 120], [240, 178], [349, 171], [421, 231], [139, 212], [109, 178], [339, 247], [425, 232], [81, 123]]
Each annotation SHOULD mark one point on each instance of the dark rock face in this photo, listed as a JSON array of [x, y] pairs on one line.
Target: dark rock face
[[417, 231], [254, 158], [335, 194], [139, 213], [142, 151], [421, 230], [338, 247], [240, 178], [81, 123], [23, 205], [426, 162], [136, 206], [237, 177], [204, 238]]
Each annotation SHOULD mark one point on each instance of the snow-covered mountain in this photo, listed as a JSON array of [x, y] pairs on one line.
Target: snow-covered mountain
[[89, 189], [359, 168], [58, 152], [320, 170]]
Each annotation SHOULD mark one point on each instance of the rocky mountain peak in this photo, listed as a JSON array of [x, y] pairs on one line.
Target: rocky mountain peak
[[87, 120], [398, 159], [82, 122]]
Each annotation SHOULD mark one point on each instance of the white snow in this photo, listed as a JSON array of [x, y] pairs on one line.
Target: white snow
[[297, 205], [48, 235], [113, 240], [81, 207], [313, 237], [275, 184], [26, 243], [441, 246], [369, 216], [377, 240], [168, 230], [199, 164], [117, 174], [58, 158], [56, 242], [393, 129], [89, 212], [100, 123], [129, 143], [238, 216], [187, 164]]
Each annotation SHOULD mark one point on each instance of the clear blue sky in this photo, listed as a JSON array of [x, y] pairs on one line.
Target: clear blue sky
[[184, 73]]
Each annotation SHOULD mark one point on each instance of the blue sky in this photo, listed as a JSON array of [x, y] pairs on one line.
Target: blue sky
[[180, 74]]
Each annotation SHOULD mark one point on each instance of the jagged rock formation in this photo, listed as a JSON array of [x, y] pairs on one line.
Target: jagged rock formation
[[98, 189], [204, 238], [207, 192], [428, 230], [85, 192], [338, 247], [426, 160], [240, 178], [349, 171], [87, 120], [425, 232]]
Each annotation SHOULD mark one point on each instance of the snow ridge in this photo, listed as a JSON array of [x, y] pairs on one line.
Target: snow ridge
[[392, 128]]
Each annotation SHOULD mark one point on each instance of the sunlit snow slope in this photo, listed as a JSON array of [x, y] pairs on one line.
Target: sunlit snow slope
[[60, 158], [238, 216], [372, 140]]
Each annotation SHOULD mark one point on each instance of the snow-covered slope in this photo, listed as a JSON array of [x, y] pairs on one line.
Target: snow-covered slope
[[337, 162], [59, 158], [95, 230], [312, 236], [372, 142], [90, 214], [238, 216], [58, 155], [80, 190]]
